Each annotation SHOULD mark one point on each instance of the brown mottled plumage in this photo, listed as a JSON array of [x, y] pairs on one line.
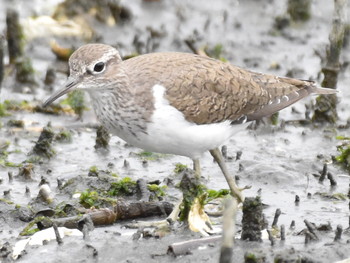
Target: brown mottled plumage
[[206, 90], [178, 103]]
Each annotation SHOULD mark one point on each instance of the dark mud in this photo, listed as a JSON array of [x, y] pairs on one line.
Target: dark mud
[[279, 162]]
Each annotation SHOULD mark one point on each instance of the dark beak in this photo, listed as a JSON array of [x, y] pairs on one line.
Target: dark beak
[[71, 84]]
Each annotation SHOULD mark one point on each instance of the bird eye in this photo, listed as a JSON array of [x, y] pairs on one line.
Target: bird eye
[[99, 66]]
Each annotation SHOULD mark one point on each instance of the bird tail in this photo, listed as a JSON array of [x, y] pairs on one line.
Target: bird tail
[[318, 90]]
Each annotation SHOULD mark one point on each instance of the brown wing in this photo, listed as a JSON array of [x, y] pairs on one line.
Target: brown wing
[[210, 91]]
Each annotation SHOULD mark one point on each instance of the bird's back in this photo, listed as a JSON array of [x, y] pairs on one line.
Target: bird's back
[[206, 90]]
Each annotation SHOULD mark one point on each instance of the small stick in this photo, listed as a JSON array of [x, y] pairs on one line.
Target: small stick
[[323, 173], [331, 179], [86, 221], [275, 220], [182, 248], [239, 155], [228, 227], [126, 164], [311, 229], [85, 231], [283, 233], [338, 233], [224, 151], [27, 191], [59, 183], [144, 163], [50, 76], [57, 233], [190, 42], [10, 175], [292, 224], [308, 237], [94, 250], [271, 237], [14, 36], [143, 191]]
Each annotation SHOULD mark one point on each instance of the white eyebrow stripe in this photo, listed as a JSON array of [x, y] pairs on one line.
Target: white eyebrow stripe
[[107, 56], [104, 58]]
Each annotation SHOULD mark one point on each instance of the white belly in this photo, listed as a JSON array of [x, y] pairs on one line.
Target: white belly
[[169, 132]]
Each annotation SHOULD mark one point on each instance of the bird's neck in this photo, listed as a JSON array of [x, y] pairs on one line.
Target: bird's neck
[[116, 109]]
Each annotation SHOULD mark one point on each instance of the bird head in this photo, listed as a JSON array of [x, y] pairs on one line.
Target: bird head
[[92, 66]]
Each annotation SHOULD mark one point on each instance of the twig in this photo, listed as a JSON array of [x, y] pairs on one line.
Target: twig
[[272, 240], [275, 219], [191, 44], [126, 164], [311, 228], [14, 36], [239, 155], [224, 151], [283, 233], [338, 233], [292, 224], [331, 179], [86, 233], [228, 229], [143, 190], [323, 173], [182, 248], [57, 234], [105, 216], [308, 237], [10, 175]]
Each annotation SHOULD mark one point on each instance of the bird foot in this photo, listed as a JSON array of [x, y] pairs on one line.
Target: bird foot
[[198, 220], [238, 193], [245, 187], [165, 223], [142, 224]]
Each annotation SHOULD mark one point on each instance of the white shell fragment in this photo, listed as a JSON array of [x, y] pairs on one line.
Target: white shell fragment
[[44, 235], [76, 195], [45, 193]]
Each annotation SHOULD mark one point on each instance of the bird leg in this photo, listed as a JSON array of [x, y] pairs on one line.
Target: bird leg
[[235, 191], [197, 168]]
